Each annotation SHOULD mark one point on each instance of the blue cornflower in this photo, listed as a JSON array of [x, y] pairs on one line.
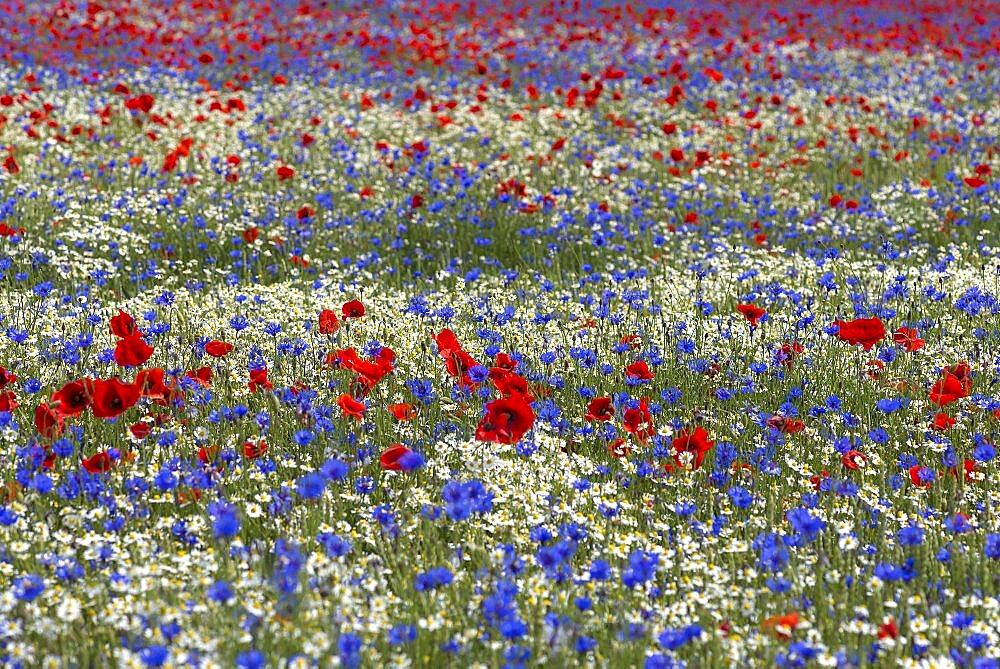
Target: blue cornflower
[[27, 588], [674, 639], [599, 570], [225, 519], [154, 656], [401, 635], [992, 549], [334, 470], [805, 524], [641, 568], [310, 486], [349, 646], [251, 659], [220, 591], [911, 535], [741, 497]]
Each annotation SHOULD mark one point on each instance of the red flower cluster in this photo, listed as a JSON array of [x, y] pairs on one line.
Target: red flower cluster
[[328, 321], [507, 419], [639, 421], [131, 350], [369, 372], [456, 360], [112, 397], [955, 383], [258, 380]]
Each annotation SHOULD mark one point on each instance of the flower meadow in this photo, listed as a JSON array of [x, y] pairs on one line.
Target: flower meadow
[[499, 334]]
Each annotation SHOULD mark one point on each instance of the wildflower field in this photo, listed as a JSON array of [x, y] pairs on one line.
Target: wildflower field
[[511, 334]]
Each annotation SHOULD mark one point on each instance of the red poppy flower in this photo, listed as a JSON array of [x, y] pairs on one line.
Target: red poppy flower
[[863, 332], [353, 309], [506, 421], [907, 338], [639, 422], [943, 421], [50, 460], [854, 460], [8, 401], [6, 378], [962, 372], [948, 390], [203, 375], [98, 463], [402, 411], [347, 358], [389, 459], [123, 325], [285, 172], [71, 399], [369, 372], [695, 442], [793, 426], [780, 626], [751, 312], [218, 349], [351, 408], [639, 371], [253, 450], [153, 384], [140, 430], [619, 448], [888, 630], [328, 323], [48, 421], [600, 409], [258, 380], [514, 385], [110, 397], [456, 360], [504, 362], [132, 351]]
